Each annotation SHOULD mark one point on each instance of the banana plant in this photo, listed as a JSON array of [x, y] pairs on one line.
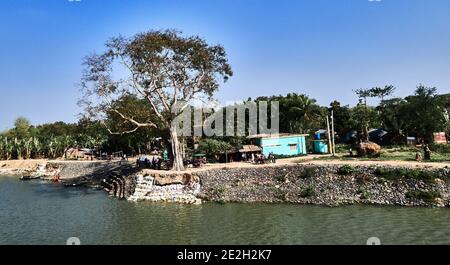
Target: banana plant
[[28, 145], [9, 147], [2, 148], [52, 145], [18, 147], [37, 146]]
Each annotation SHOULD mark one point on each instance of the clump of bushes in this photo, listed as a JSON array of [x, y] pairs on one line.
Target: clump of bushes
[[307, 193], [346, 170], [400, 173], [308, 172], [364, 193], [426, 196]]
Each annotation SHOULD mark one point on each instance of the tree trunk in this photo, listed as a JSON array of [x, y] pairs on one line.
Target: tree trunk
[[176, 150]]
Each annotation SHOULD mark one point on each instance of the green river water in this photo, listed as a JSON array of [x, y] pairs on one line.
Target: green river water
[[42, 213]]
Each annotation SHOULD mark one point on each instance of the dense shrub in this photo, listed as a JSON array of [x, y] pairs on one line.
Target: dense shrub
[[307, 193], [426, 196], [346, 170]]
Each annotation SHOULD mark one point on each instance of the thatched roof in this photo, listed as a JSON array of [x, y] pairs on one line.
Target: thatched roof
[[250, 148]]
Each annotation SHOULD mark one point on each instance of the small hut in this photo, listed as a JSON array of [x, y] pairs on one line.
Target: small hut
[[247, 150]]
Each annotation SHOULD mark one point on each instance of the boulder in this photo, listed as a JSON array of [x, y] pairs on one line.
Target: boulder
[[368, 149]]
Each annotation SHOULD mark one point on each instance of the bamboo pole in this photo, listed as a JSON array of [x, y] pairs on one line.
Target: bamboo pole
[[330, 147], [333, 133]]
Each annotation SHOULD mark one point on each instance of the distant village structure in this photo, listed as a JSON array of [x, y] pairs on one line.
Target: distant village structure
[[281, 144]]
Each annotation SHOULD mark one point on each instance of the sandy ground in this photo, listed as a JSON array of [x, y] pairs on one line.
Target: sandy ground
[[31, 164], [311, 160]]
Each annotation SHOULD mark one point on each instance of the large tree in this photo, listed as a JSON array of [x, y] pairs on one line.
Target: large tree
[[165, 68], [424, 113]]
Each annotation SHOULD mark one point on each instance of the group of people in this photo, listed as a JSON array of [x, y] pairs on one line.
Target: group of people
[[426, 153], [153, 163], [259, 158]]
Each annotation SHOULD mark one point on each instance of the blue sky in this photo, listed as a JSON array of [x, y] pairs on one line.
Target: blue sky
[[323, 48]]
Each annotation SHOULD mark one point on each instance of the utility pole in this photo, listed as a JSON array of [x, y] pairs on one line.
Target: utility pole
[[329, 136], [333, 134]]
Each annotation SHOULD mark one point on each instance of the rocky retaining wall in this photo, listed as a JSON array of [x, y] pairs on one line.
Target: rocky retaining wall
[[328, 185]]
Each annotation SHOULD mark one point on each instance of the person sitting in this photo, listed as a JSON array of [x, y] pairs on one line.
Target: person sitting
[[418, 156]]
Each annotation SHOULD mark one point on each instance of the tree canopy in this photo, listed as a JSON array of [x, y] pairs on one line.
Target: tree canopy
[[164, 69]]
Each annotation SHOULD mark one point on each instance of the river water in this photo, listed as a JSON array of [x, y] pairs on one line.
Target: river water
[[42, 213]]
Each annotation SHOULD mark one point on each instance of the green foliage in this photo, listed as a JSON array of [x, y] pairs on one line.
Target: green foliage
[[298, 113], [22, 127], [162, 70], [307, 193], [404, 173], [426, 196], [342, 117], [213, 146], [362, 116], [346, 170], [365, 195], [419, 115]]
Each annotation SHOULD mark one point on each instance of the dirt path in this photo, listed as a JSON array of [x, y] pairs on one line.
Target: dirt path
[[6, 166]]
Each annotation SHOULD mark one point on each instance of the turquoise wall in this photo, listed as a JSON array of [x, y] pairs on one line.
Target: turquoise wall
[[320, 147], [282, 146]]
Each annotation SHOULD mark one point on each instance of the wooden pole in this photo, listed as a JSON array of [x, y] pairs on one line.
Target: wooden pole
[[332, 132], [330, 147]]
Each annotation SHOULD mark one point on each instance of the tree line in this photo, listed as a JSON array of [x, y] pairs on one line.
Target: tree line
[[418, 115]]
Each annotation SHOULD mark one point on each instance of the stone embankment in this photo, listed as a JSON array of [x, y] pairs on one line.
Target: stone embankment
[[329, 185]]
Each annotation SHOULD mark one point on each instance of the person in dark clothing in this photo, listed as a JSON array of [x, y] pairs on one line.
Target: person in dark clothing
[[427, 153], [158, 163]]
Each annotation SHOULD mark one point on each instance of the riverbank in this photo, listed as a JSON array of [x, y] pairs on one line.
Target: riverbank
[[295, 180], [327, 184]]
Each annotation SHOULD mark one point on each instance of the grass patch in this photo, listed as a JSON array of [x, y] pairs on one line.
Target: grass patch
[[440, 153], [426, 196]]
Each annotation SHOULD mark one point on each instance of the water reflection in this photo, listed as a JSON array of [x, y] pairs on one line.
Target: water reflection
[[42, 213]]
